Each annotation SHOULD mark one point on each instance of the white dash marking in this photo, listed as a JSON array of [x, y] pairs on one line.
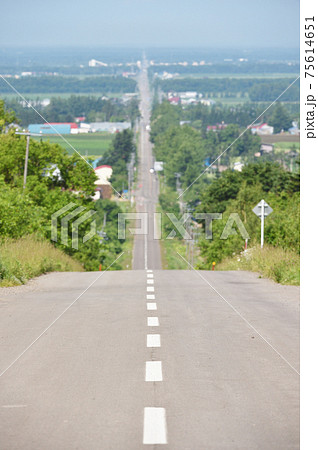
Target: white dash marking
[[150, 297], [150, 289], [153, 371], [149, 270], [155, 428], [152, 321], [150, 281], [14, 406], [152, 306], [153, 340], [149, 275]]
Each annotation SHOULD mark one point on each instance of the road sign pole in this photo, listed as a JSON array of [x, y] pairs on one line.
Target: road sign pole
[[262, 222], [26, 162], [262, 210]]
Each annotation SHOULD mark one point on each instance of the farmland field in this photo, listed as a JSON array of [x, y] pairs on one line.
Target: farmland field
[[91, 144], [42, 96]]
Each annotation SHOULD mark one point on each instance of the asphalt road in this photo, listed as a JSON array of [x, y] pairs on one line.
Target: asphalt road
[[78, 374], [149, 358], [146, 253]]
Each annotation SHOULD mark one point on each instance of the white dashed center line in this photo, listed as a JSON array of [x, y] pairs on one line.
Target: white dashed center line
[[152, 321], [155, 429], [153, 371], [153, 340], [155, 426], [152, 306]]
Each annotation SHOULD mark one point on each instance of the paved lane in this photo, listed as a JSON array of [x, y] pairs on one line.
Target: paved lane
[[96, 380], [146, 249], [149, 358]]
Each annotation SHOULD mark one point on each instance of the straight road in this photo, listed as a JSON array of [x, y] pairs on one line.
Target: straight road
[[146, 252], [149, 358], [204, 379]]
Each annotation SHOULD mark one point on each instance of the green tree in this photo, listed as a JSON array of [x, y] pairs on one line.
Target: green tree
[[164, 116], [280, 119], [6, 117]]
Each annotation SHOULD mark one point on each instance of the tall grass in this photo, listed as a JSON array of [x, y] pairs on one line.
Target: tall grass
[[271, 262], [29, 257]]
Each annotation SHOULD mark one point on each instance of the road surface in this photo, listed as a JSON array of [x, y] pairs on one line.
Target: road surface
[[81, 384], [146, 252], [149, 358]]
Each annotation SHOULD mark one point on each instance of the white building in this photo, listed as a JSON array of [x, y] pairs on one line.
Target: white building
[[109, 127], [261, 129]]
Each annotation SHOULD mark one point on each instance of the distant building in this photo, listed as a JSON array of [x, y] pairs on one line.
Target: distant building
[[217, 127], [188, 94], [110, 127], [294, 131], [266, 148], [207, 102], [128, 74], [53, 128], [261, 129], [103, 186], [174, 100], [84, 128]]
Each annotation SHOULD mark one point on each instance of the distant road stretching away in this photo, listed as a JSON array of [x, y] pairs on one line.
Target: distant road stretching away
[[146, 254], [181, 360]]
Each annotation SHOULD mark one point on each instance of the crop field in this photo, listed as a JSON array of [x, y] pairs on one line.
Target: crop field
[[282, 147], [91, 144], [235, 75]]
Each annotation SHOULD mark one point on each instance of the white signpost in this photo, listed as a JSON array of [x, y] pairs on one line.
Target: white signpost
[[262, 210]]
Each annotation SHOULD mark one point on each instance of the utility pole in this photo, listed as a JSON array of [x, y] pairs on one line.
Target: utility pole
[[27, 134]]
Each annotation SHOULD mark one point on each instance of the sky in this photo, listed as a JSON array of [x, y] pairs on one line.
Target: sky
[[150, 23]]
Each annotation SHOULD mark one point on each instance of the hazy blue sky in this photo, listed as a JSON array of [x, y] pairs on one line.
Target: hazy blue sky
[[210, 23]]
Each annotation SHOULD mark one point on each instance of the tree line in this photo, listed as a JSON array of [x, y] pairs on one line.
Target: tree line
[[93, 108], [258, 89], [66, 84]]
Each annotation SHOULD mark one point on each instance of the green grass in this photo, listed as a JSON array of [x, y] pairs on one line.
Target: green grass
[[275, 263], [169, 256], [126, 260], [29, 257], [281, 147], [86, 144]]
